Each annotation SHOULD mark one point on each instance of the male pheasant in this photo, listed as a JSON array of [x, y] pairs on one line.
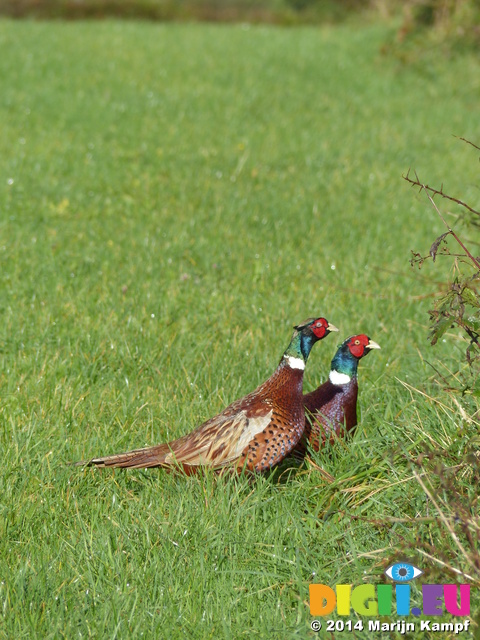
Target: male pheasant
[[332, 407], [255, 432]]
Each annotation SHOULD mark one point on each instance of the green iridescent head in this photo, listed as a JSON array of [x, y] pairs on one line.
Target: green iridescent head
[[350, 352], [305, 336]]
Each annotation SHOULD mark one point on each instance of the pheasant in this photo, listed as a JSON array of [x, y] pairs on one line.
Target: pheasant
[[255, 432], [332, 407]]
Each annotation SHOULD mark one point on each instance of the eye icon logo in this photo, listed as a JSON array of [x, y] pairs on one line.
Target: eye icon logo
[[402, 572]]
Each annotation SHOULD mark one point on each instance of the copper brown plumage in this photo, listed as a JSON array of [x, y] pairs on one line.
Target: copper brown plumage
[[331, 410], [255, 432]]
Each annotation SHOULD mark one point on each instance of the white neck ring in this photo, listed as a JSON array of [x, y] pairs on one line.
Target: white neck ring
[[295, 363], [338, 378]]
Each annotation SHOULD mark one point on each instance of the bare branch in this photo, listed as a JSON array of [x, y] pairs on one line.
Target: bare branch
[[438, 192], [468, 142], [429, 190]]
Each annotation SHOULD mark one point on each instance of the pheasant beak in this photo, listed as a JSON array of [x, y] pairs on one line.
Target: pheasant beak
[[332, 327], [372, 345]]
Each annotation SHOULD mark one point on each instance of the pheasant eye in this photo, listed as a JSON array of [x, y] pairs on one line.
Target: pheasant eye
[[357, 342], [402, 572]]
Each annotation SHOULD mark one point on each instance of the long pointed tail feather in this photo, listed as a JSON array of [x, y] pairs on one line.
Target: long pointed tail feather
[[137, 459]]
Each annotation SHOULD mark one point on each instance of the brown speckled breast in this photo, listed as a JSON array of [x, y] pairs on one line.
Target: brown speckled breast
[[283, 393]]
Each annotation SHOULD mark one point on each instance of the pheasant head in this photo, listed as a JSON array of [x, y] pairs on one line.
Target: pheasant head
[[304, 337], [345, 362]]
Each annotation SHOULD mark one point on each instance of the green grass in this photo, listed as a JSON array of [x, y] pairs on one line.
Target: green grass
[[173, 199]]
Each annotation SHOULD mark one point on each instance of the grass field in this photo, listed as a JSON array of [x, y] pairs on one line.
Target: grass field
[[173, 199]]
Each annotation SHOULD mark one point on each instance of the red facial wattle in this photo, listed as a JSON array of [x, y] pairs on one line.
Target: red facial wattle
[[357, 345], [319, 327]]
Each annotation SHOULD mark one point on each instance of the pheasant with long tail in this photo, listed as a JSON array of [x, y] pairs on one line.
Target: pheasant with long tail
[[254, 433]]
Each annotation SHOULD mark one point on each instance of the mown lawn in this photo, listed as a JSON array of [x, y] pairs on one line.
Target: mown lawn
[[173, 199]]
